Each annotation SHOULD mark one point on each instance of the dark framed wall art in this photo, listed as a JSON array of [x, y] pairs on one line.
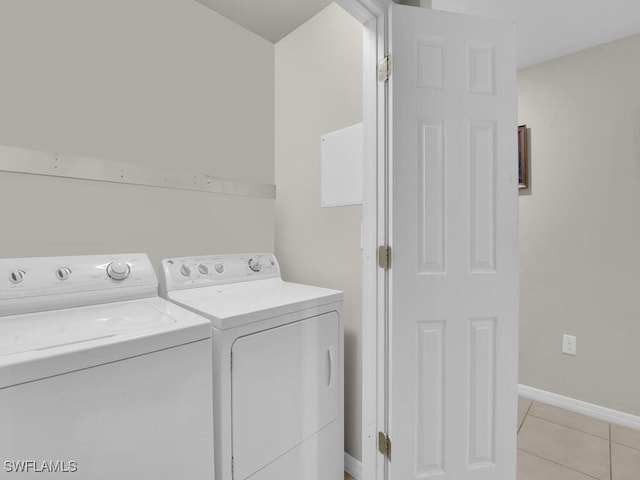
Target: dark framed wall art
[[523, 157]]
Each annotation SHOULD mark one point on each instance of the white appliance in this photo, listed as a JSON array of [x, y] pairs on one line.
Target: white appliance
[[277, 366], [98, 375]]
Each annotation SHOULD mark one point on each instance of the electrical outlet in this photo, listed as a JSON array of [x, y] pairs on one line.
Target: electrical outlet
[[569, 344]]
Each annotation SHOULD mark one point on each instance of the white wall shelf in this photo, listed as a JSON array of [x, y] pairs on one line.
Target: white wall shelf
[[36, 162]]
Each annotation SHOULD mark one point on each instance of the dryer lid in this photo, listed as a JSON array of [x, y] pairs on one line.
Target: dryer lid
[[235, 304]]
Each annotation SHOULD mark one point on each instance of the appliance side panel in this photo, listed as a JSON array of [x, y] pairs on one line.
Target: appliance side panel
[[151, 413]]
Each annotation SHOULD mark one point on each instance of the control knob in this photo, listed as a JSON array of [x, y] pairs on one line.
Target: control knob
[[185, 270], [118, 270], [219, 267], [255, 265], [63, 273], [203, 269], [16, 276]]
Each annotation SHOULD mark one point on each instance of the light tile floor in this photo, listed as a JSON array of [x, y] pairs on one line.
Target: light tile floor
[[556, 444]]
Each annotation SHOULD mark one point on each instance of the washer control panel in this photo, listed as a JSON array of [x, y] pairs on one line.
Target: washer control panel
[[189, 272], [108, 276]]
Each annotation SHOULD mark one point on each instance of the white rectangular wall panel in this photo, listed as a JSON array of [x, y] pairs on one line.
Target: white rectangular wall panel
[[341, 167]]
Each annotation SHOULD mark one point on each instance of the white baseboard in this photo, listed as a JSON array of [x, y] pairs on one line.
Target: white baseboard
[[596, 411], [352, 466]]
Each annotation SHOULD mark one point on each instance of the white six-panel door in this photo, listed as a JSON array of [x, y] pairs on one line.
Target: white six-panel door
[[453, 283]]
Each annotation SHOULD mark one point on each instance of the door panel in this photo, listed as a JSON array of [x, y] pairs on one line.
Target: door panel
[[453, 284], [285, 387]]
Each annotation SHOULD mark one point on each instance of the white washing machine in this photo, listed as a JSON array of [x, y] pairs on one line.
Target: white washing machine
[[277, 366], [98, 375]]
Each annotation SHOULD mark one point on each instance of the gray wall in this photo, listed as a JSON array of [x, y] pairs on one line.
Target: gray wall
[[318, 90], [580, 227], [166, 83]]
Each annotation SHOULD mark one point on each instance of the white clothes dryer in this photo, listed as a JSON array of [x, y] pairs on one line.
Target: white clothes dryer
[[277, 366], [98, 375]]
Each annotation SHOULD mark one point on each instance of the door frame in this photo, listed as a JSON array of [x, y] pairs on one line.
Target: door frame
[[373, 14]]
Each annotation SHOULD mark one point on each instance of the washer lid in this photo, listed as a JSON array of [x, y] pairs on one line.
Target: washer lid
[[39, 345], [236, 304]]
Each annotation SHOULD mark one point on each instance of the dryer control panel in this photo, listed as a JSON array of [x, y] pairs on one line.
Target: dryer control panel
[[208, 270]]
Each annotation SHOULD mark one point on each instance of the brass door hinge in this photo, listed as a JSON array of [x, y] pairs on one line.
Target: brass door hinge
[[384, 256], [384, 68], [384, 445]]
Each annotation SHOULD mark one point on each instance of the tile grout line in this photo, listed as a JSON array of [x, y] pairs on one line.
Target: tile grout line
[[573, 429], [525, 417], [609, 439], [626, 446], [610, 425], [632, 447], [566, 426], [610, 456], [559, 464]]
